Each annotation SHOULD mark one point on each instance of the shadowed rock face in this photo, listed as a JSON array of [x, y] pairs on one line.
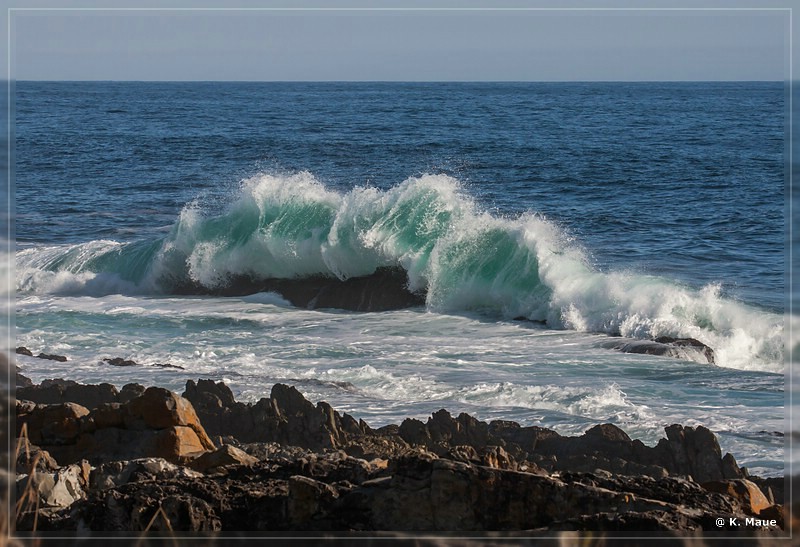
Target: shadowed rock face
[[386, 289]]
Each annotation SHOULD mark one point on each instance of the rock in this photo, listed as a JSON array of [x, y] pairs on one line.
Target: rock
[[687, 349], [385, 289], [59, 489], [51, 357], [285, 417], [116, 474], [774, 512], [51, 424], [120, 362], [21, 380], [63, 391], [22, 350], [130, 392], [695, 451], [217, 394], [773, 488], [697, 345], [225, 455], [307, 503], [159, 408], [751, 498], [158, 423], [31, 458]]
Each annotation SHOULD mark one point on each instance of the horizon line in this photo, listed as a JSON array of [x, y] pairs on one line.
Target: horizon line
[[310, 81]]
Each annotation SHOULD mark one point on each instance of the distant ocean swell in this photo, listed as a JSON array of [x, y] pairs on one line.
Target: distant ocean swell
[[461, 258]]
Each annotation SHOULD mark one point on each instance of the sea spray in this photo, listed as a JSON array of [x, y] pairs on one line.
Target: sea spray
[[465, 259]]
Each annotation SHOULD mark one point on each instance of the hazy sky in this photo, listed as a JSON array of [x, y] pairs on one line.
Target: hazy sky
[[400, 45]]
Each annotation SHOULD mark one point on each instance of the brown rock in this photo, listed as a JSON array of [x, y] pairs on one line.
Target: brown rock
[[177, 444], [159, 408], [52, 424], [751, 498]]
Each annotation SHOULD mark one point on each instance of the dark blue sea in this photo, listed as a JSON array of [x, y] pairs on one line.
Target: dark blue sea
[[545, 223]]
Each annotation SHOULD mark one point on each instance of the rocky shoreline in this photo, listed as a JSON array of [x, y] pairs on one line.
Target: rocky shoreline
[[93, 458]]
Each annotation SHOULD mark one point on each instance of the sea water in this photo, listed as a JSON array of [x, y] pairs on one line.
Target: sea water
[[541, 220]]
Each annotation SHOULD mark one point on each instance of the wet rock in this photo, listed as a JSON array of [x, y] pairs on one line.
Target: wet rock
[[697, 345], [22, 350], [385, 289], [120, 362], [687, 349], [52, 357]]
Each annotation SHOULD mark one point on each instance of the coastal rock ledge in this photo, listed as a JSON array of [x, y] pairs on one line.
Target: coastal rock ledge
[[92, 458]]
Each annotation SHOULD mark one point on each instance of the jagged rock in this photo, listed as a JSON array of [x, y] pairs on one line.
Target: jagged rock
[[445, 495], [772, 487], [342, 475], [285, 417], [375, 445], [206, 393], [695, 451]]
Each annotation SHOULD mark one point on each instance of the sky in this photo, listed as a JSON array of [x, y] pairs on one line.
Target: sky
[[400, 45]]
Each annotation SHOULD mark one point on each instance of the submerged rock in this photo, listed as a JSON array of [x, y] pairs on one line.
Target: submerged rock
[[687, 349]]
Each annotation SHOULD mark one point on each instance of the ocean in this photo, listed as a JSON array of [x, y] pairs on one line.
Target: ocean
[[542, 223]]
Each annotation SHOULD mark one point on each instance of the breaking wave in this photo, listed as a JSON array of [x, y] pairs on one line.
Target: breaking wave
[[462, 258]]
